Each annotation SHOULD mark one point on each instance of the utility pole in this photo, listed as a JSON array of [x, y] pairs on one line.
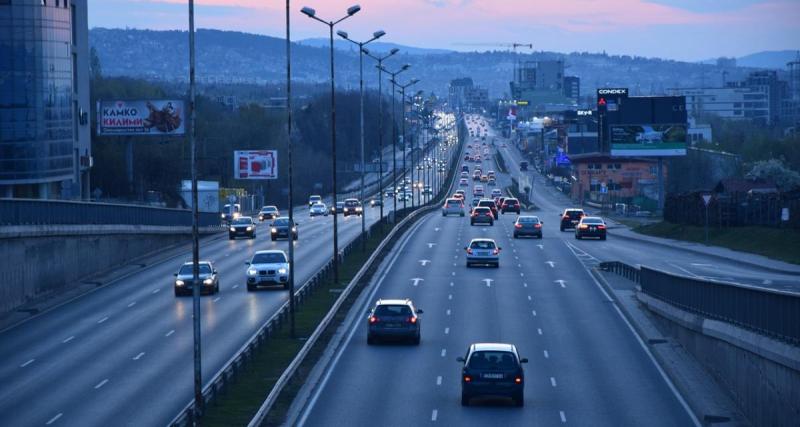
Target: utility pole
[[289, 152]]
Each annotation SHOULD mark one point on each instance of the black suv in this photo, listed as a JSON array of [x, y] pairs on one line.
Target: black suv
[[510, 205], [570, 218], [393, 318], [492, 370], [352, 207], [242, 226]]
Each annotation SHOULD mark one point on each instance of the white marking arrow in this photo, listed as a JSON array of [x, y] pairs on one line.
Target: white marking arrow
[[551, 264], [436, 229], [560, 282], [540, 246], [416, 280], [488, 282], [424, 262], [430, 245]]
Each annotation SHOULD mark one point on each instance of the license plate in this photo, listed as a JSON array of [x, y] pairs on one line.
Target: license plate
[[592, 228], [574, 222], [392, 325], [493, 376]]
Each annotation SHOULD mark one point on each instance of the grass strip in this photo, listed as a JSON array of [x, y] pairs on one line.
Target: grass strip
[[777, 243]]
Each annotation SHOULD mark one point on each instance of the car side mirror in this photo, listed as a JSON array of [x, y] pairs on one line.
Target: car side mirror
[[465, 248], [541, 222], [523, 360], [215, 271], [247, 263], [461, 359], [419, 311], [499, 248], [175, 274]]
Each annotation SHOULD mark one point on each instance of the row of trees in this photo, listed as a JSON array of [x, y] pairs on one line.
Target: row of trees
[[161, 163]]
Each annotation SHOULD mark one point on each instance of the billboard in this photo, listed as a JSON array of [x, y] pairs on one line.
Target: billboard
[[255, 164], [164, 117], [648, 139]]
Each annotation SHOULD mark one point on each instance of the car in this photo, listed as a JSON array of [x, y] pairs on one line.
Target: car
[[404, 197], [314, 199], [510, 205], [242, 226], [477, 191], [491, 181], [463, 182], [268, 268], [570, 218], [207, 275], [461, 194], [481, 215], [465, 168], [280, 228], [483, 251], [393, 318], [496, 192], [489, 203], [389, 194], [318, 209], [466, 157], [352, 207], [499, 202], [591, 226], [427, 191], [230, 212], [268, 212], [476, 176], [492, 370], [474, 203], [523, 165], [527, 225], [453, 206], [338, 208], [375, 202], [484, 178], [491, 174], [464, 175]]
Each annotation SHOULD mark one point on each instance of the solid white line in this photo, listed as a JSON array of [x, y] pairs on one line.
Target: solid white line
[[539, 330], [54, 419], [102, 320], [553, 381], [434, 414], [70, 338], [444, 352], [138, 356], [101, 383], [563, 416], [170, 333], [26, 363], [131, 304]]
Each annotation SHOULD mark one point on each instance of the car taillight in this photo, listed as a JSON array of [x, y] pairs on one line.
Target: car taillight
[[412, 319], [601, 227], [474, 213], [538, 225], [496, 251], [565, 217], [518, 380], [469, 251], [373, 319], [583, 226], [467, 378], [517, 225]]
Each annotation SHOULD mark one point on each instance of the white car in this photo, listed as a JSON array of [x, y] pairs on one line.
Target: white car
[[483, 252], [453, 206], [318, 209], [268, 268], [496, 193]]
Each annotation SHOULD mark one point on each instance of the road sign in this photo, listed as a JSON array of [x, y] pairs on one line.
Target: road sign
[[706, 199]]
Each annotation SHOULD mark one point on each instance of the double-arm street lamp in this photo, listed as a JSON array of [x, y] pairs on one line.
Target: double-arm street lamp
[[410, 101], [311, 13], [375, 36], [394, 133], [380, 59]]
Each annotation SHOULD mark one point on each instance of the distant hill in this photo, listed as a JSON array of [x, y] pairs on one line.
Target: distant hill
[[768, 59], [235, 57], [376, 46]]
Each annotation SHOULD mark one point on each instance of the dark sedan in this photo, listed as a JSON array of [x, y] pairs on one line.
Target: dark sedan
[[280, 229], [528, 226], [492, 370], [570, 218], [242, 226], [591, 226]]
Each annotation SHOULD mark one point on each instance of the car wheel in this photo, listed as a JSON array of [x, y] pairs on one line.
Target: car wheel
[[469, 265], [273, 238], [491, 223], [603, 238], [515, 236], [519, 400], [416, 340], [561, 228], [472, 223], [462, 213], [464, 399], [250, 288], [216, 289], [444, 214], [231, 237], [295, 237], [577, 237], [497, 265], [370, 340], [177, 293], [286, 286]]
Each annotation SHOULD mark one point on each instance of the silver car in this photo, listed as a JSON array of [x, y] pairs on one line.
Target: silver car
[[318, 209], [268, 268], [207, 275], [453, 206], [483, 252]]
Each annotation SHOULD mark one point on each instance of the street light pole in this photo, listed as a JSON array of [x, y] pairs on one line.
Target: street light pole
[[311, 13], [394, 132], [198, 379], [380, 59], [375, 36], [402, 102], [289, 155]]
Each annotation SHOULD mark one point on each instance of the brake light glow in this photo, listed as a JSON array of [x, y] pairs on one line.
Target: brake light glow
[[496, 251], [518, 380], [412, 319], [517, 225], [469, 251], [373, 319], [601, 227], [538, 225], [467, 378]]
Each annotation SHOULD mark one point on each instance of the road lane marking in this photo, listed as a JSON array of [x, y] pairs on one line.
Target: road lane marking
[[450, 296], [539, 330], [444, 352], [553, 381], [516, 257], [454, 264], [102, 320], [453, 273], [156, 290], [131, 304], [519, 265], [216, 299], [446, 331], [529, 298], [431, 245], [488, 282], [138, 356], [525, 285], [563, 416], [235, 286], [448, 311], [698, 264], [416, 280], [451, 284], [26, 363], [172, 331], [521, 274], [551, 264], [434, 415], [541, 246], [424, 262], [439, 380], [101, 383], [546, 354], [684, 270], [534, 312], [70, 338], [54, 419], [560, 282]]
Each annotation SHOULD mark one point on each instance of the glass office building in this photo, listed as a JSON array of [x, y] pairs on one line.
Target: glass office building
[[43, 95]]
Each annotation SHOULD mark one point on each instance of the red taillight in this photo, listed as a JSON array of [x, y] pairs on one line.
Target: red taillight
[[469, 251], [373, 319], [517, 225], [412, 319], [496, 251], [467, 378], [601, 227], [518, 380], [565, 217], [538, 225]]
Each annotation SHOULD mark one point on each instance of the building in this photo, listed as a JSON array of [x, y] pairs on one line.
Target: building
[[45, 148], [572, 88], [465, 96], [541, 85], [477, 97], [732, 102]]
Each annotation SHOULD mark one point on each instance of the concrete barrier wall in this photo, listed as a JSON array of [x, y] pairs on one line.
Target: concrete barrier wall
[[41, 261], [762, 374]]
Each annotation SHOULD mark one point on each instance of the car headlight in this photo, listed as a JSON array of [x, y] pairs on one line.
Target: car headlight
[[358, 209], [233, 229], [179, 282], [249, 228], [222, 215], [282, 271], [251, 271], [236, 215], [294, 229], [274, 230], [208, 282]]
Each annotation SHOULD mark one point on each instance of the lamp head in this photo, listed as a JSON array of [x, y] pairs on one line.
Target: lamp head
[[308, 11], [342, 34], [352, 10], [378, 34]]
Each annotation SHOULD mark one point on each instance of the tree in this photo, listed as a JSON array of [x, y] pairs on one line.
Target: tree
[[774, 170], [95, 69]]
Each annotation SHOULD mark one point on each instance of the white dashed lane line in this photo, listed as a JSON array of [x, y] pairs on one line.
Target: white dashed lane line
[[132, 304], [101, 383], [156, 290], [68, 339], [446, 331], [138, 356], [439, 380], [434, 415], [27, 363], [563, 416], [444, 352], [546, 354], [169, 333], [539, 330], [102, 320], [553, 381], [54, 419]]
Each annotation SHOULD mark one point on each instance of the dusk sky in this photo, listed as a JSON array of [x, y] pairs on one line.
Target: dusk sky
[[688, 30]]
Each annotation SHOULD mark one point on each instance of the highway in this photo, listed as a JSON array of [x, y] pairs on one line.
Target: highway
[[586, 366], [122, 355]]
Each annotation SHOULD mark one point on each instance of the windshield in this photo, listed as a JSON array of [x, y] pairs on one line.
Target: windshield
[[486, 203], [282, 221], [269, 258], [392, 310], [502, 360], [245, 220], [453, 202], [592, 221], [351, 203], [186, 269], [269, 209], [482, 244]]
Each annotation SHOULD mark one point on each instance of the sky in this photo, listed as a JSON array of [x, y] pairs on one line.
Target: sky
[[688, 30]]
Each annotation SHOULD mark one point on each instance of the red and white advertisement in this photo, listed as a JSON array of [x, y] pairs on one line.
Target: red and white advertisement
[[255, 164]]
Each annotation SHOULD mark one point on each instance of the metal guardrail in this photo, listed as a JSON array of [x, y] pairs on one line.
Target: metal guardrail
[[64, 212], [770, 312]]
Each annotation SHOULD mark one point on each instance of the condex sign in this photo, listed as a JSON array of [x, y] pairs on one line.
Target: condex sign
[[141, 117]]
